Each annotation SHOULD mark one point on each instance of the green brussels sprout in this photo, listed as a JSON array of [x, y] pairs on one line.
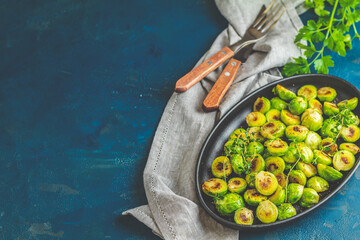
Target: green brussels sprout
[[233, 146], [221, 167], [266, 183], [284, 93], [330, 109], [244, 216], [318, 184], [294, 192], [304, 152], [278, 197], [296, 133], [277, 103], [275, 164], [286, 210], [214, 187], [250, 179], [351, 147], [326, 94], [298, 105], [308, 169], [237, 185], [322, 158], [313, 140], [315, 104], [312, 119], [253, 197], [352, 118], [350, 133], [273, 129], [330, 128], [308, 91], [239, 133], [291, 155], [288, 118], [254, 148], [254, 134], [255, 119], [348, 104], [277, 147], [281, 178], [343, 160], [297, 176], [272, 115], [262, 105], [309, 198], [237, 163], [328, 173], [328, 146], [267, 212], [228, 204], [257, 163]]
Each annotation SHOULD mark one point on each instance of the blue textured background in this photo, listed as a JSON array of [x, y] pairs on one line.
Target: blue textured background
[[83, 86]]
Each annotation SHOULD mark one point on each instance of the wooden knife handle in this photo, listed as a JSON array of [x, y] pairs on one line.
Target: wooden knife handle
[[213, 99], [203, 69]]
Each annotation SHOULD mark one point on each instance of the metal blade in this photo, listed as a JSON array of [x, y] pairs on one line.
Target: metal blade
[[244, 53]]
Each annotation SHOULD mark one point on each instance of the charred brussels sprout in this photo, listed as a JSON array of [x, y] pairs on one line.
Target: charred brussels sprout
[[277, 147], [284, 93], [267, 212], [308, 169], [275, 164], [253, 197], [233, 146], [257, 163], [351, 147], [313, 140], [254, 134], [288, 118], [322, 158], [254, 148], [328, 173], [286, 210], [315, 104], [214, 187], [308, 92], [291, 155], [312, 119], [272, 130], [228, 204], [326, 94], [309, 198], [318, 184], [239, 133], [262, 105], [266, 183], [255, 119], [330, 128], [296, 133], [343, 160], [237, 185], [298, 105], [221, 167], [330, 109], [273, 115], [328, 146], [244, 216], [278, 197], [281, 178], [348, 104], [277, 103], [294, 192], [350, 133], [297, 176], [237, 163], [250, 179]]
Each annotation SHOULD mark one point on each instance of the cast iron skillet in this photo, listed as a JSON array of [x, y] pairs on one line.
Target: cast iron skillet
[[213, 146]]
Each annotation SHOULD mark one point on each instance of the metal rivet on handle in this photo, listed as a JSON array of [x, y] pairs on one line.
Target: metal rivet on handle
[[233, 63], [227, 74], [209, 62]]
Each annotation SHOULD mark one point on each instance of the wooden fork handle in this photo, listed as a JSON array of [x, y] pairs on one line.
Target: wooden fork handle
[[213, 99], [203, 69]]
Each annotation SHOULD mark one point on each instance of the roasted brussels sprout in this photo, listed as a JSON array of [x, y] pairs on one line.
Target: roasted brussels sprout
[[272, 130], [298, 105], [297, 176], [262, 105], [304, 152], [308, 169], [349, 104], [312, 119], [291, 155], [328, 146], [330, 128], [238, 133], [318, 184], [308, 91], [228, 204], [254, 148], [315, 104], [309, 198], [250, 179], [267, 212], [278, 197], [351, 117], [257, 163], [244, 216], [313, 140], [328, 173], [281, 178], [343, 160], [277, 147], [214, 187], [286, 210], [221, 167], [330, 109], [233, 147], [322, 158], [254, 134], [277, 103], [294, 192], [255, 119], [350, 133], [284, 93], [326, 94], [237, 163], [353, 148], [237, 185], [266, 183], [272, 115], [288, 118], [296, 133], [253, 197], [275, 164]]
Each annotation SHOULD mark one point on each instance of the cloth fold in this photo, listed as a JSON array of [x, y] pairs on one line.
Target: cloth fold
[[173, 210]]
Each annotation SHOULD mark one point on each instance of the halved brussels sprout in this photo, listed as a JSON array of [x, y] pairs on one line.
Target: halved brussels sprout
[[237, 163], [262, 105], [309, 198], [253, 197], [298, 105], [307, 168], [275, 164], [221, 167], [266, 183], [322, 158], [273, 115], [214, 187], [351, 147], [349, 104], [294, 192], [250, 179], [254, 148], [350, 133], [288, 118], [318, 184], [296, 133], [233, 146], [244, 216], [286, 210], [228, 204], [308, 91], [343, 160], [281, 178], [272, 130], [328, 173], [284, 93], [257, 163], [237, 185], [330, 128], [278, 197], [255, 119], [312, 119], [277, 103], [328, 146], [313, 140], [315, 104], [297, 176], [277, 147], [304, 152], [352, 118], [330, 109], [254, 134], [238, 133], [291, 155], [267, 212], [326, 94]]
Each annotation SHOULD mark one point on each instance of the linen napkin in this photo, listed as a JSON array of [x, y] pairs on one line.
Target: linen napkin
[[173, 210]]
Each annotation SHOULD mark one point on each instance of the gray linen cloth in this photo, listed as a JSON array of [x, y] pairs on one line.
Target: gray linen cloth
[[173, 210]]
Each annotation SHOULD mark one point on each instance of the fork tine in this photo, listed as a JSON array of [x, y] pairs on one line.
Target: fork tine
[[269, 16], [263, 14], [273, 24]]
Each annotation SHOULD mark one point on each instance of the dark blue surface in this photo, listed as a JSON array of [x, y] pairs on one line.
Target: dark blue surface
[[83, 86]]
